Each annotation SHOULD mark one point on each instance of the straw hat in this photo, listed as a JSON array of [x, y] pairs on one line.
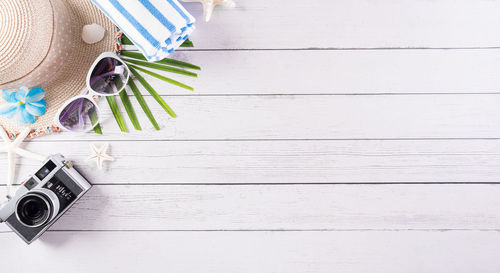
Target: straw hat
[[41, 46]]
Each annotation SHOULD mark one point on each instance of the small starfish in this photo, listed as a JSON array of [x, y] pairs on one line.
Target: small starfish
[[99, 155], [12, 149], [209, 5]]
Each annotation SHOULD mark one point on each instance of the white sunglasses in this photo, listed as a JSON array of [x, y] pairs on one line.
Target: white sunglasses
[[108, 76]]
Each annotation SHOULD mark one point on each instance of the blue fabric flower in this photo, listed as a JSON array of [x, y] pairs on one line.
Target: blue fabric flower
[[23, 105]]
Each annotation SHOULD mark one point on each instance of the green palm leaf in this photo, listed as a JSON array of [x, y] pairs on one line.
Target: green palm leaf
[[167, 61], [153, 92], [137, 59], [126, 40], [130, 110], [93, 119], [187, 43], [163, 78], [143, 103], [161, 67], [116, 112]]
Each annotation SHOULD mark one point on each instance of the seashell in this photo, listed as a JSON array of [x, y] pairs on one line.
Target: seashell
[[92, 34], [209, 5]]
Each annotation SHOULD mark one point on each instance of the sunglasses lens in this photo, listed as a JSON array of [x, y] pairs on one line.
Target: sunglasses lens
[[109, 76], [79, 115]]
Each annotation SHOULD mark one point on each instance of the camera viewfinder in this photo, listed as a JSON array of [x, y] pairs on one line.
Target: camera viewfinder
[[45, 170]]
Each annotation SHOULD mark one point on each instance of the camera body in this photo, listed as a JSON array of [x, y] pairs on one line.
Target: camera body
[[43, 198]]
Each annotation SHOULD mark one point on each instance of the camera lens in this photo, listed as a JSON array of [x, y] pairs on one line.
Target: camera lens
[[33, 210]]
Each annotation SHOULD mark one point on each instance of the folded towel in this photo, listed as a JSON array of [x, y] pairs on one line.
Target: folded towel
[[156, 27]]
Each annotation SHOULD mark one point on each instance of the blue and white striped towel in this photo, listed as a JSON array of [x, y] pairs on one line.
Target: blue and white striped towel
[[156, 27]]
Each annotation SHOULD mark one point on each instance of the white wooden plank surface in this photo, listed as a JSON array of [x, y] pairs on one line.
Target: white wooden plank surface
[[316, 117], [340, 161], [286, 207], [350, 24], [265, 252], [295, 93], [338, 72]]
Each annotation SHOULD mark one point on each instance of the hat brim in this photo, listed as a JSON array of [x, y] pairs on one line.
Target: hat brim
[[70, 81]]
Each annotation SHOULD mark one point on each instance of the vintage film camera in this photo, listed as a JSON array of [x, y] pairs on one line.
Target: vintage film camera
[[43, 198]]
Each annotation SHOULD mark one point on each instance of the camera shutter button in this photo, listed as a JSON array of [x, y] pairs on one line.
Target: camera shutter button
[[68, 164]]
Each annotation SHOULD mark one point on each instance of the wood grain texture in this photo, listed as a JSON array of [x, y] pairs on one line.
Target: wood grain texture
[[237, 162], [352, 93], [315, 117], [338, 72], [265, 252], [257, 24], [286, 207]]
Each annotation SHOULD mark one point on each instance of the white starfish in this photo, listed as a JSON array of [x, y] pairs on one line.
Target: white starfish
[[12, 149], [99, 155], [209, 5]]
